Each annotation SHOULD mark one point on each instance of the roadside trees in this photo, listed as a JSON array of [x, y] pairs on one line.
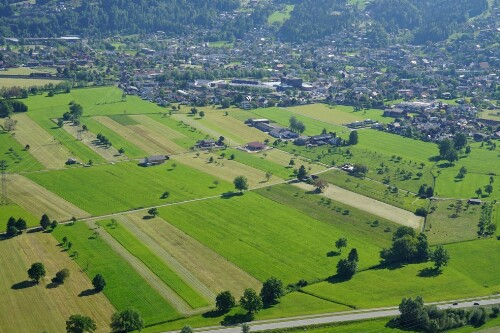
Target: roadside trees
[[272, 290], [127, 321], [250, 301], [224, 301]]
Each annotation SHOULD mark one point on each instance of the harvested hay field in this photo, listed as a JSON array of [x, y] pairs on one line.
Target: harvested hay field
[[37, 200], [190, 257], [372, 206], [225, 169], [151, 142], [44, 147], [34, 308]]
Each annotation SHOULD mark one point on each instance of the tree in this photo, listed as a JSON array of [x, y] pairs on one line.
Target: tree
[[250, 301], [45, 222], [9, 124], [269, 174], [54, 224], [359, 169], [353, 255], [413, 311], [488, 189], [76, 111], [479, 192], [127, 321], [292, 162], [460, 141], [302, 173], [12, 231], [353, 138], [187, 329], [121, 151], [451, 155], [346, 268], [340, 243], [202, 114], [271, 291], [60, 122], [468, 150], [62, 275], [153, 211], [224, 301], [444, 146], [440, 257], [80, 324], [320, 184], [240, 183], [21, 224], [245, 328], [36, 271], [98, 282]]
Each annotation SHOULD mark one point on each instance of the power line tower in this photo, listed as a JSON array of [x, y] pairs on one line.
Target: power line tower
[[3, 169]]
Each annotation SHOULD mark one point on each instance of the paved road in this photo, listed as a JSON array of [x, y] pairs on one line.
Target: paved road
[[340, 317]]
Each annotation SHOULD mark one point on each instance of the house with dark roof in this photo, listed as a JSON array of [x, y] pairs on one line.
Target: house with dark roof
[[154, 160]]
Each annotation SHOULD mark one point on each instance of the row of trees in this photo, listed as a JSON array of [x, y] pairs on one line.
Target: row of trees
[[7, 107], [127, 320]]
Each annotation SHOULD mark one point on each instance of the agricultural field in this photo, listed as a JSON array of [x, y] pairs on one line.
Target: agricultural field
[[27, 71], [37, 200], [47, 299], [449, 186], [107, 189], [124, 286], [16, 211], [279, 17], [16, 157], [451, 221], [25, 83], [338, 115], [304, 249]]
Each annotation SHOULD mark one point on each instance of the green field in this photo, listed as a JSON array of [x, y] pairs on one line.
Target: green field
[[448, 186], [16, 211], [96, 127], [124, 287], [280, 16], [443, 227], [113, 188], [292, 245], [156, 265], [260, 162], [16, 157], [465, 277], [25, 83], [339, 114], [192, 135]]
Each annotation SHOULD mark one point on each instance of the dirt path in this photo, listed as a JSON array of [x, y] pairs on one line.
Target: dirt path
[[372, 206], [90, 140], [168, 294], [131, 221]]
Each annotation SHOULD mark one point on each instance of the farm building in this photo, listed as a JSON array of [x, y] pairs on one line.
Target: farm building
[[154, 160], [255, 146]]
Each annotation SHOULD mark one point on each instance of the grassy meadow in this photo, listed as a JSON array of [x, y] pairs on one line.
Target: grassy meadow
[[124, 286], [15, 156], [155, 264], [114, 188], [16, 211]]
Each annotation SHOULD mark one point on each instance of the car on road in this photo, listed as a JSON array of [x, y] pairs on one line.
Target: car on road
[[455, 304], [476, 303]]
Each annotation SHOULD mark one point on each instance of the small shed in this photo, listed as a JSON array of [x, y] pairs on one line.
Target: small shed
[[474, 201]]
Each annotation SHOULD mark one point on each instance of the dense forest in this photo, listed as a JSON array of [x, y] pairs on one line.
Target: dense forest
[[418, 20]]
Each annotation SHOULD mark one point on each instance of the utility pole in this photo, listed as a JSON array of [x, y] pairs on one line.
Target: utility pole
[[3, 169]]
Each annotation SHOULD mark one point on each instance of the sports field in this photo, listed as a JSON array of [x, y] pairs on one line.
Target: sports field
[[26, 307], [125, 186]]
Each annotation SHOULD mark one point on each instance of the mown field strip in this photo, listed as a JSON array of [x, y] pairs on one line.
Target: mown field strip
[[45, 300], [38, 200], [43, 146], [212, 270], [372, 206], [132, 222], [90, 140], [154, 281], [134, 134], [158, 139], [155, 126], [225, 169]]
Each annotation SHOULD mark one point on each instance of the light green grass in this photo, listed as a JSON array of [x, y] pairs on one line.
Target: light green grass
[[16, 211], [466, 276], [155, 264], [258, 161], [18, 159], [268, 239], [448, 186], [282, 117], [192, 135], [124, 287], [96, 127], [442, 227], [114, 188], [221, 44], [280, 16], [339, 114]]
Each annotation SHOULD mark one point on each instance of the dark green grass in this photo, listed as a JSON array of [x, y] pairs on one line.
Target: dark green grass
[[124, 287], [156, 265]]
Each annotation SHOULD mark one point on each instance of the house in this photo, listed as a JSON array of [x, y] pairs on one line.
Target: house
[[474, 201], [153, 160], [320, 140], [395, 113], [205, 144], [255, 146]]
